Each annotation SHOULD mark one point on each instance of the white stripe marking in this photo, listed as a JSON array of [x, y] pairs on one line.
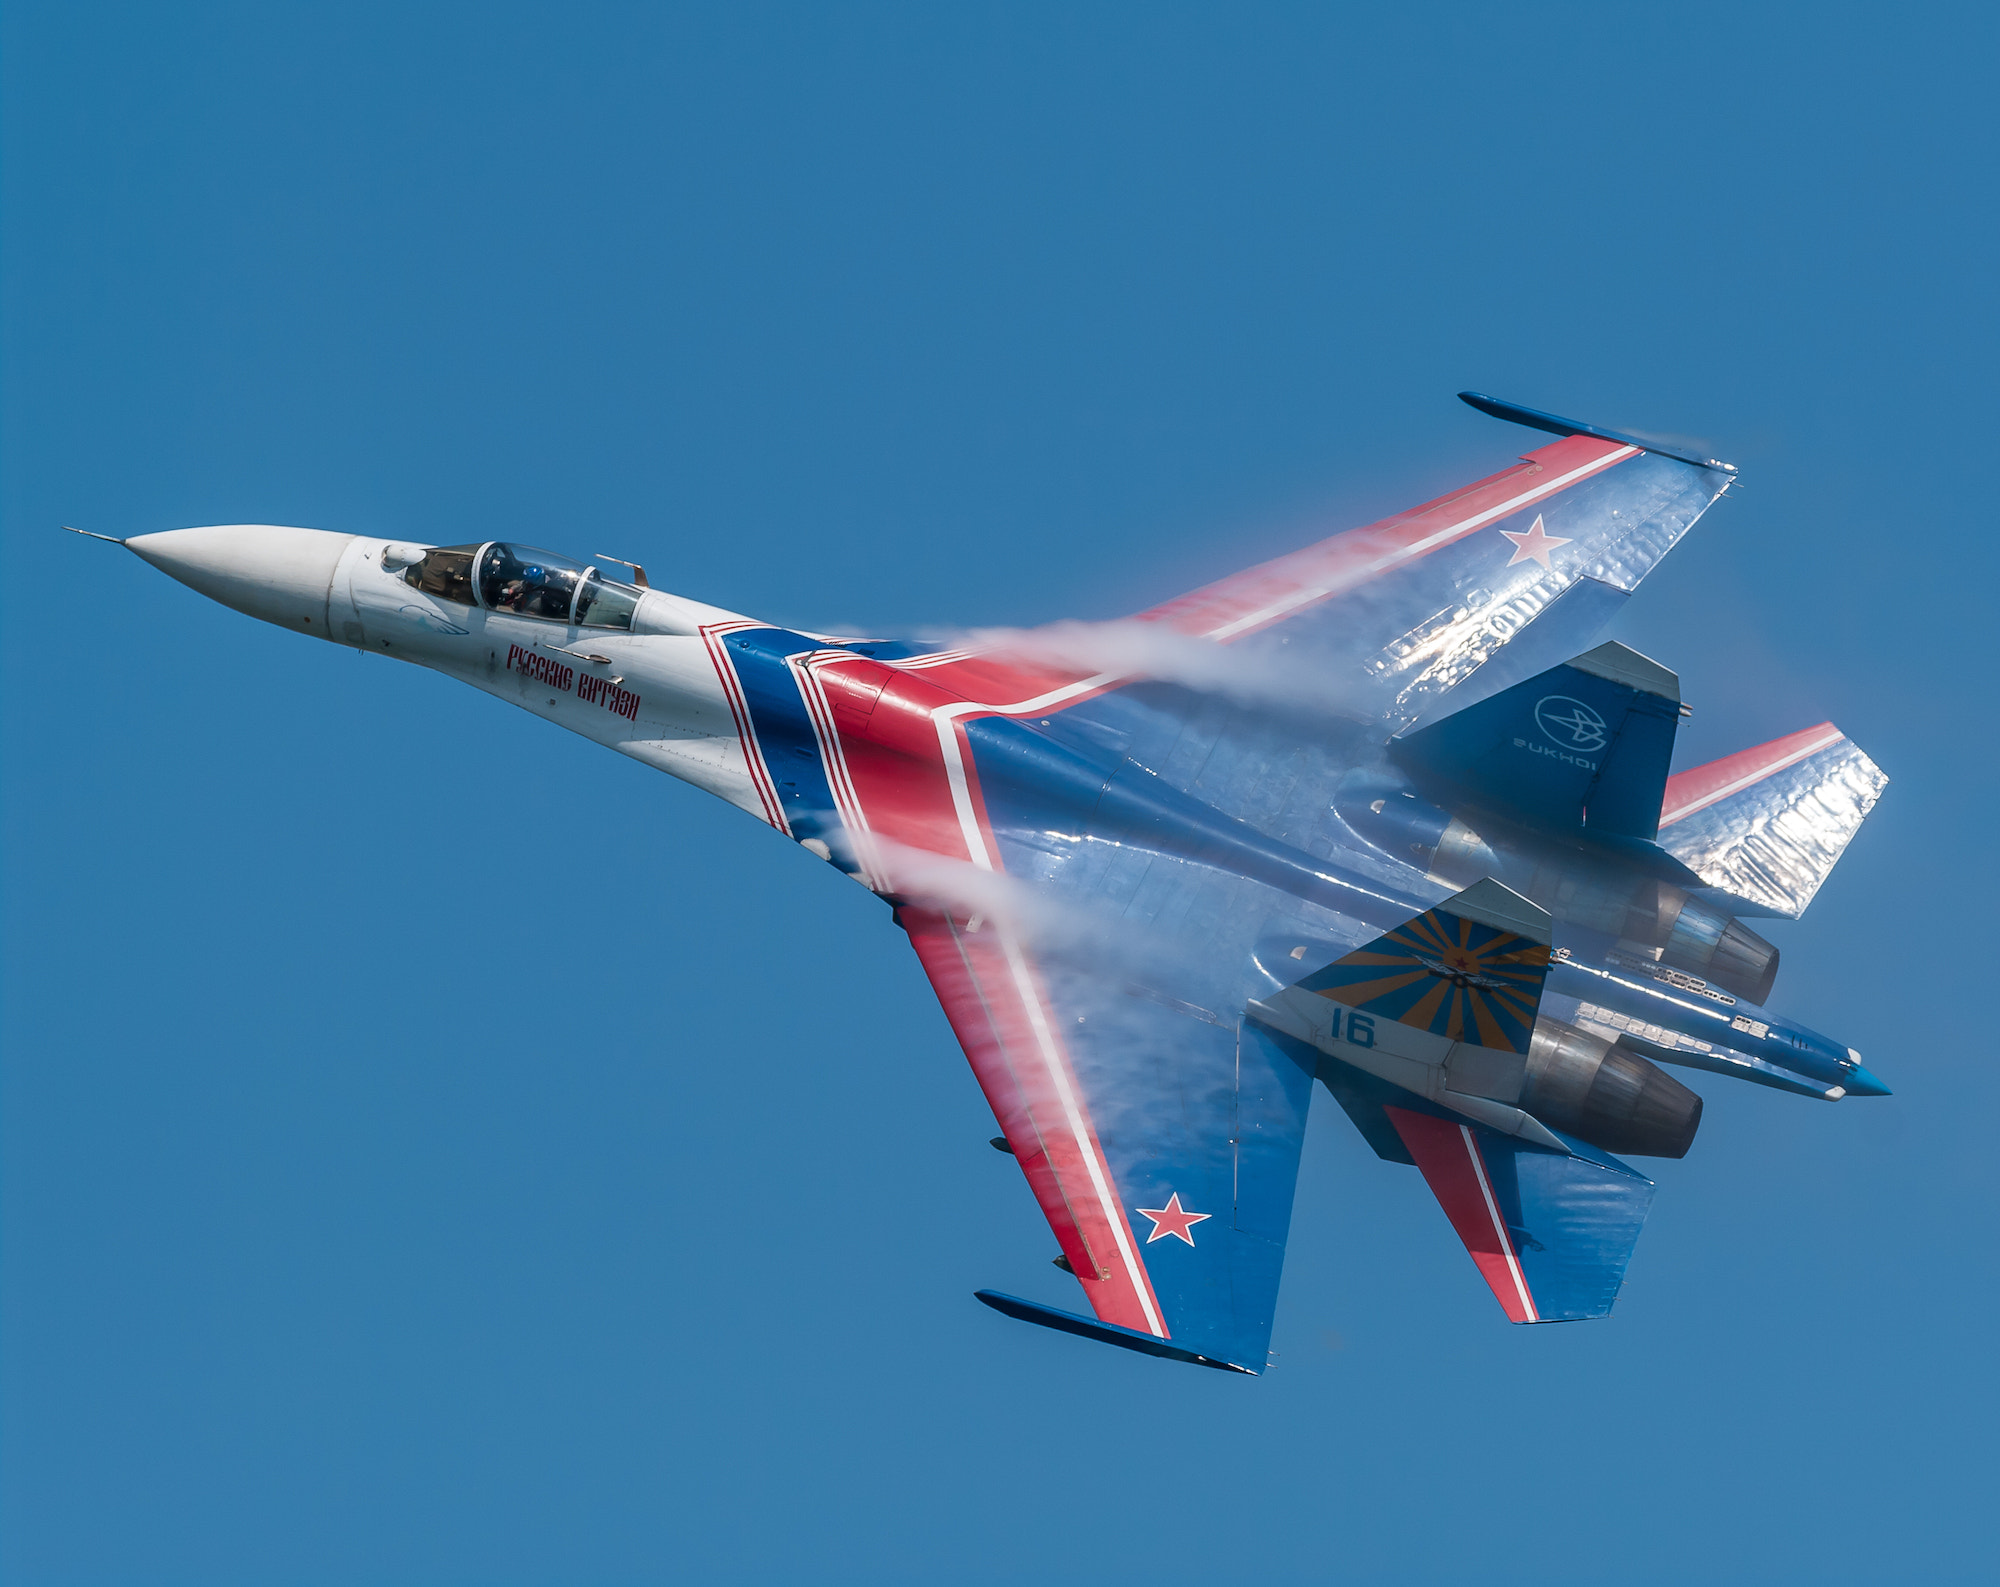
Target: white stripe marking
[[753, 752], [1499, 1225], [935, 658], [833, 755], [1311, 593], [946, 717]]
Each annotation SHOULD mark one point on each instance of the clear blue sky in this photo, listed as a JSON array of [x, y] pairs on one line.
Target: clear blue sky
[[439, 1151]]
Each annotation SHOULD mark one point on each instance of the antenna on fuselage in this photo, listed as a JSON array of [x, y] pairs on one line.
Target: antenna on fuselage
[[638, 573]]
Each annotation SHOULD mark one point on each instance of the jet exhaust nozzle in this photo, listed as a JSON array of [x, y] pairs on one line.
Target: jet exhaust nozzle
[[1587, 1087], [1656, 919]]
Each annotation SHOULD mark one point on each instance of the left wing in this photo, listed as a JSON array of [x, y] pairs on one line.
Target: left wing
[[1160, 1139]]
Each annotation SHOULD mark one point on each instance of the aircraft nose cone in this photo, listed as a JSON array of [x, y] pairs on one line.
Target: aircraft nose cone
[[277, 574], [1860, 1083]]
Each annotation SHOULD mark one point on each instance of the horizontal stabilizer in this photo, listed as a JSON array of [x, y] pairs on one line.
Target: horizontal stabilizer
[[1550, 1232], [1766, 825], [1585, 745], [1090, 1328]]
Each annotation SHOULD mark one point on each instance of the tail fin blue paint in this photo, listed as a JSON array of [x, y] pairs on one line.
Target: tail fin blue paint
[[1583, 746]]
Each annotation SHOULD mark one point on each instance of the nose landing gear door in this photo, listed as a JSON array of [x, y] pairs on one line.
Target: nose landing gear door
[[344, 622]]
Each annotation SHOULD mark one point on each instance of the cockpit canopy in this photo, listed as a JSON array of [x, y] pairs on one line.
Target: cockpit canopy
[[501, 577]]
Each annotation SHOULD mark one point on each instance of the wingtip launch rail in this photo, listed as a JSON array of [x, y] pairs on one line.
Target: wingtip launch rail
[[1535, 419]]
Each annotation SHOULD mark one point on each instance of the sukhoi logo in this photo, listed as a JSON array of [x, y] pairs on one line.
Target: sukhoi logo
[[1570, 724]]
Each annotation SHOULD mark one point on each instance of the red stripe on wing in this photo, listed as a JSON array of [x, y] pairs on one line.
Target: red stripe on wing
[[888, 740], [1021, 1072], [1272, 591], [881, 731], [1701, 786]]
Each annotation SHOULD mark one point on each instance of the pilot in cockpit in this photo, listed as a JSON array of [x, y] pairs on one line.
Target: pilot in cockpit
[[523, 580], [533, 583]]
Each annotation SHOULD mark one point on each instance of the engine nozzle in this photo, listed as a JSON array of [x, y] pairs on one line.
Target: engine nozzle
[[1593, 1089]]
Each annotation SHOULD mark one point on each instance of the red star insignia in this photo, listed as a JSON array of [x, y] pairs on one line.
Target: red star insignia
[[1173, 1219], [1535, 545]]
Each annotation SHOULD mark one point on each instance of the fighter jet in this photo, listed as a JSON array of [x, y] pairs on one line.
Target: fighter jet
[[1379, 813]]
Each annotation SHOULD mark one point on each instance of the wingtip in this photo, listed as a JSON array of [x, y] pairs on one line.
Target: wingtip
[[1104, 1333], [1554, 424]]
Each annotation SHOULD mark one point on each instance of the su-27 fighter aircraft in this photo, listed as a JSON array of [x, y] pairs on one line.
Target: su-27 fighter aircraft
[[1376, 812]]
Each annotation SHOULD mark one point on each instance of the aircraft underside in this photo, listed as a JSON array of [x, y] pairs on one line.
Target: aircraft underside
[[1379, 813]]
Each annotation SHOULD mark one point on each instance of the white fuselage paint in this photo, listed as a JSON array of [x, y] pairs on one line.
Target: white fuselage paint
[[681, 724], [676, 717]]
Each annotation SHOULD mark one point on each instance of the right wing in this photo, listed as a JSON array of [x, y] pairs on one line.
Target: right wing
[[1258, 693], [1530, 562], [1766, 825], [1416, 603]]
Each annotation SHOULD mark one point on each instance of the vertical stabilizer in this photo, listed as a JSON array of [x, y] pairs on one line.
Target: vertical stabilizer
[[1585, 745]]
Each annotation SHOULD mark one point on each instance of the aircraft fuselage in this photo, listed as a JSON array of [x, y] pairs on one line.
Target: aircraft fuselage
[[654, 688]]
